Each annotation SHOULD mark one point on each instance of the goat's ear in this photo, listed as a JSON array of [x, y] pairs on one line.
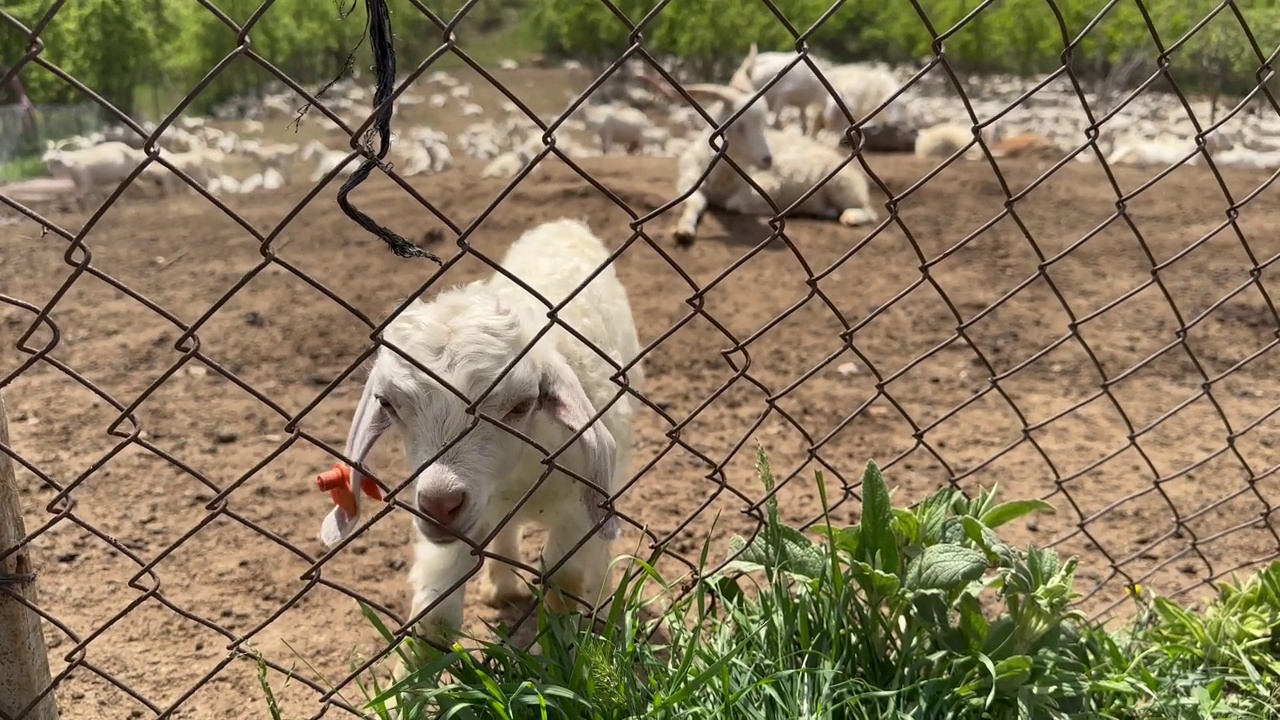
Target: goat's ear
[[709, 92], [741, 80], [370, 422], [561, 395]]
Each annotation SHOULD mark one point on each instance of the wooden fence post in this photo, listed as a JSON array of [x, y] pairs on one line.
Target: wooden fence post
[[24, 664]]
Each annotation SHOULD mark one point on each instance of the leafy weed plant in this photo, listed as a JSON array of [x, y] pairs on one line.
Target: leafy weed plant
[[921, 613]]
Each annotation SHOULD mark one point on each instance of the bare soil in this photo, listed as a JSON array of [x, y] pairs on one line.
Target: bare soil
[[1035, 351]]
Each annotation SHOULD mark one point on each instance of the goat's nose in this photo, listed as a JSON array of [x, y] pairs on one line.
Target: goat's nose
[[767, 161], [443, 506]]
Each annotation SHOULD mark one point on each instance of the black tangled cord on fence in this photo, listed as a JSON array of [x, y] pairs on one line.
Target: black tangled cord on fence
[[378, 30]]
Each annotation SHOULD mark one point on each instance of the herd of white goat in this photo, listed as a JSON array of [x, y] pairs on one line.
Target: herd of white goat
[[788, 142]]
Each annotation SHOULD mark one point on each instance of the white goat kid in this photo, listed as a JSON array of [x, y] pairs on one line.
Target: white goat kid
[[468, 335]]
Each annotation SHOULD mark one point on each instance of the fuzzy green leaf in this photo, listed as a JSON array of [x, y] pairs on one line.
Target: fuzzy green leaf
[[945, 567], [877, 517], [1010, 511], [872, 579]]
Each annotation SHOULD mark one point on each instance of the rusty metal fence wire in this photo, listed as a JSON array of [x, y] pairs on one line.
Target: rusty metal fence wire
[[369, 143]]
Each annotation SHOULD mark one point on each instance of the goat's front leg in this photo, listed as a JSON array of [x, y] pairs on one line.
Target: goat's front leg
[[853, 217], [835, 210], [583, 575], [505, 586], [691, 211], [848, 199], [436, 570]]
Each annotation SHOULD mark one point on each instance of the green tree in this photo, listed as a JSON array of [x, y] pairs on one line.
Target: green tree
[[108, 45], [706, 33]]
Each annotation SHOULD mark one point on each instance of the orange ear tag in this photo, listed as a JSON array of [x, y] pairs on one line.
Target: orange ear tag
[[337, 482]]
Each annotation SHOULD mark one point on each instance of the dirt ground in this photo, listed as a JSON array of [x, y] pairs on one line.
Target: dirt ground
[[974, 356]]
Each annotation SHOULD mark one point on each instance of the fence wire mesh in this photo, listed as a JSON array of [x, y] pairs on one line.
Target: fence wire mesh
[[1067, 309], [24, 133]]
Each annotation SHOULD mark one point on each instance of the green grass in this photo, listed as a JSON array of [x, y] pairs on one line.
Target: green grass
[[919, 612], [21, 169]]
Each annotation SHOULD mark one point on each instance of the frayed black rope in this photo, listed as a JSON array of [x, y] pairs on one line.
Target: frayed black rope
[[378, 30]]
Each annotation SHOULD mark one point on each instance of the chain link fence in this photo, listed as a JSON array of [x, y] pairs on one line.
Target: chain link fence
[[23, 138], [1045, 298]]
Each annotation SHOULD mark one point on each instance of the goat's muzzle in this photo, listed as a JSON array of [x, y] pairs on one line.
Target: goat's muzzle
[[443, 509]]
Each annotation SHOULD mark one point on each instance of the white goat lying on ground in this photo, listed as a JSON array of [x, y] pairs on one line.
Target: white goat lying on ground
[[944, 139], [436, 145], [1246, 158], [468, 335], [862, 88], [1163, 150], [327, 160], [509, 163], [786, 166], [276, 155]]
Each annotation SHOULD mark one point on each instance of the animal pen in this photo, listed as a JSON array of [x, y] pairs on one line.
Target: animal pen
[[179, 365]]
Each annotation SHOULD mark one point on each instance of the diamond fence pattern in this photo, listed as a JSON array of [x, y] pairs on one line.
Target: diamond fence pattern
[[226, 517]]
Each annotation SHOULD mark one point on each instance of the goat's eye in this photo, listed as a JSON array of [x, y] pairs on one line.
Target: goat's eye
[[521, 408], [385, 404]]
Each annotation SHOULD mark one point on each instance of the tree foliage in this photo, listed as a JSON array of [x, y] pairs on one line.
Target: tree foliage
[[702, 32], [124, 48], [120, 47], [1009, 36], [100, 43]]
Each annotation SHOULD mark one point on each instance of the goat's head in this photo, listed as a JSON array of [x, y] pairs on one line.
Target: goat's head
[[745, 135], [55, 163], [467, 338]]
